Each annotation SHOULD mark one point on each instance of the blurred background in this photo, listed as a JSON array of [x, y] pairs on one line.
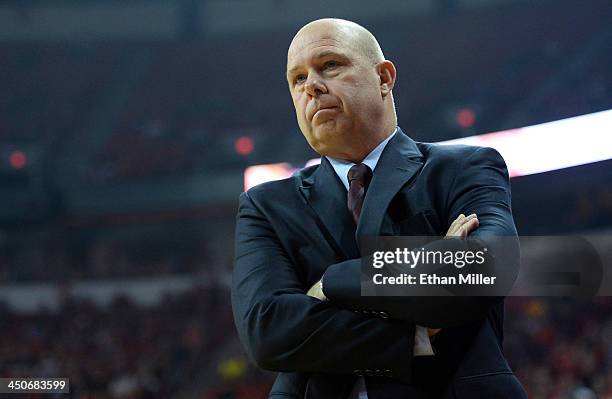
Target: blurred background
[[125, 131]]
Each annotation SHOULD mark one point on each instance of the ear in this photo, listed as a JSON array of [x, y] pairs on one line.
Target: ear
[[386, 73]]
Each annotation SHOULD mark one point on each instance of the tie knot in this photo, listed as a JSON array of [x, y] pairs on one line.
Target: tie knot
[[360, 173]]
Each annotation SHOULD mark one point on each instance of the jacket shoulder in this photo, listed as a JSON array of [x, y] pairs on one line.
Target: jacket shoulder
[[455, 153], [282, 186]]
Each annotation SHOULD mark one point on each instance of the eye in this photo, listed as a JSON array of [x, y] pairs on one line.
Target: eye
[[330, 64], [299, 79]]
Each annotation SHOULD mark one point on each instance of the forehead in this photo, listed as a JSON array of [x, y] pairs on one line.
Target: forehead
[[315, 44]]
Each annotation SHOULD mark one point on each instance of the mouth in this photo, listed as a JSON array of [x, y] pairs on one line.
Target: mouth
[[324, 111]]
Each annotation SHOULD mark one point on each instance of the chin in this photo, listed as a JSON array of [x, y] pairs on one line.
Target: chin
[[326, 137], [318, 144], [326, 132], [330, 149]]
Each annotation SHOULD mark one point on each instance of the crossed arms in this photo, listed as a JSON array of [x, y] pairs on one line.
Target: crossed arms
[[284, 329]]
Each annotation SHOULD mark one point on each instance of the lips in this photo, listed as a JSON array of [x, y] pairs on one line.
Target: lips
[[325, 109], [322, 110]]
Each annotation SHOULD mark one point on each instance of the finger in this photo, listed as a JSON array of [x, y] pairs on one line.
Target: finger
[[455, 229], [463, 225], [457, 222], [467, 219], [472, 223], [469, 226], [470, 217], [459, 218]]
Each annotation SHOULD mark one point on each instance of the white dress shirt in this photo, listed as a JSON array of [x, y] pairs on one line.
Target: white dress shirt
[[422, 344]]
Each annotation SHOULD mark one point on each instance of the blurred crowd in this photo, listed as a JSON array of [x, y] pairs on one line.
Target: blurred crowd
[[561, 348], [120, 351], [55, 254]]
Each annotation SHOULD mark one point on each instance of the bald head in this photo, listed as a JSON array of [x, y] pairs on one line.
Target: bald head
[[349, 33], [341, 86]]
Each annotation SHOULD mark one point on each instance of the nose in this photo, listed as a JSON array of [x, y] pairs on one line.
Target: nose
[[314, 86]]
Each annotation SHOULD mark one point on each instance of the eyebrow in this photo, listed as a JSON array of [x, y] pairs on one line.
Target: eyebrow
[[322, 54]]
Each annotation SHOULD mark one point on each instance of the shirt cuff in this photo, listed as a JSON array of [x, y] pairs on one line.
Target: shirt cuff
[[422, 344]]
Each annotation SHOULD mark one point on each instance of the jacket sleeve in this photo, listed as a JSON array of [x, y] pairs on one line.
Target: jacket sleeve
[[480, 186], [283, 329]]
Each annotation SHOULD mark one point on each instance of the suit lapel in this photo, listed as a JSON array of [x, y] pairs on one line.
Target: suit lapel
[[399, 162], [326, 195], [324, 192]]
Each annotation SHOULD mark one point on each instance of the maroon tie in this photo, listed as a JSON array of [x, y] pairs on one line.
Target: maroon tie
[[359, 177]]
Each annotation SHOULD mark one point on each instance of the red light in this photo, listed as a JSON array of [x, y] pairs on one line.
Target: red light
[[465, 118], [18, 159], [244, 145]]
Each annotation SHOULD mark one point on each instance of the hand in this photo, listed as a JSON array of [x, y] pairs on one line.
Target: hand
[[462, 226], [316, 291]]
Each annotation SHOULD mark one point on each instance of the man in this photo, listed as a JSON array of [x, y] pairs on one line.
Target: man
[[296, 285]]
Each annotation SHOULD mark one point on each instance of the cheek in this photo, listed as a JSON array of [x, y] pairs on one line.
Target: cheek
[[361, 96], [300, 112], [350, 93], [300, 106]]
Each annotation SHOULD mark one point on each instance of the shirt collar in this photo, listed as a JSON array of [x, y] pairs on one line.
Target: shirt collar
[[341, 167]]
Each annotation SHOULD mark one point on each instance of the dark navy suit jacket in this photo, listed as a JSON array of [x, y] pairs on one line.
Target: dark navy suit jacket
[[293, 232]]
